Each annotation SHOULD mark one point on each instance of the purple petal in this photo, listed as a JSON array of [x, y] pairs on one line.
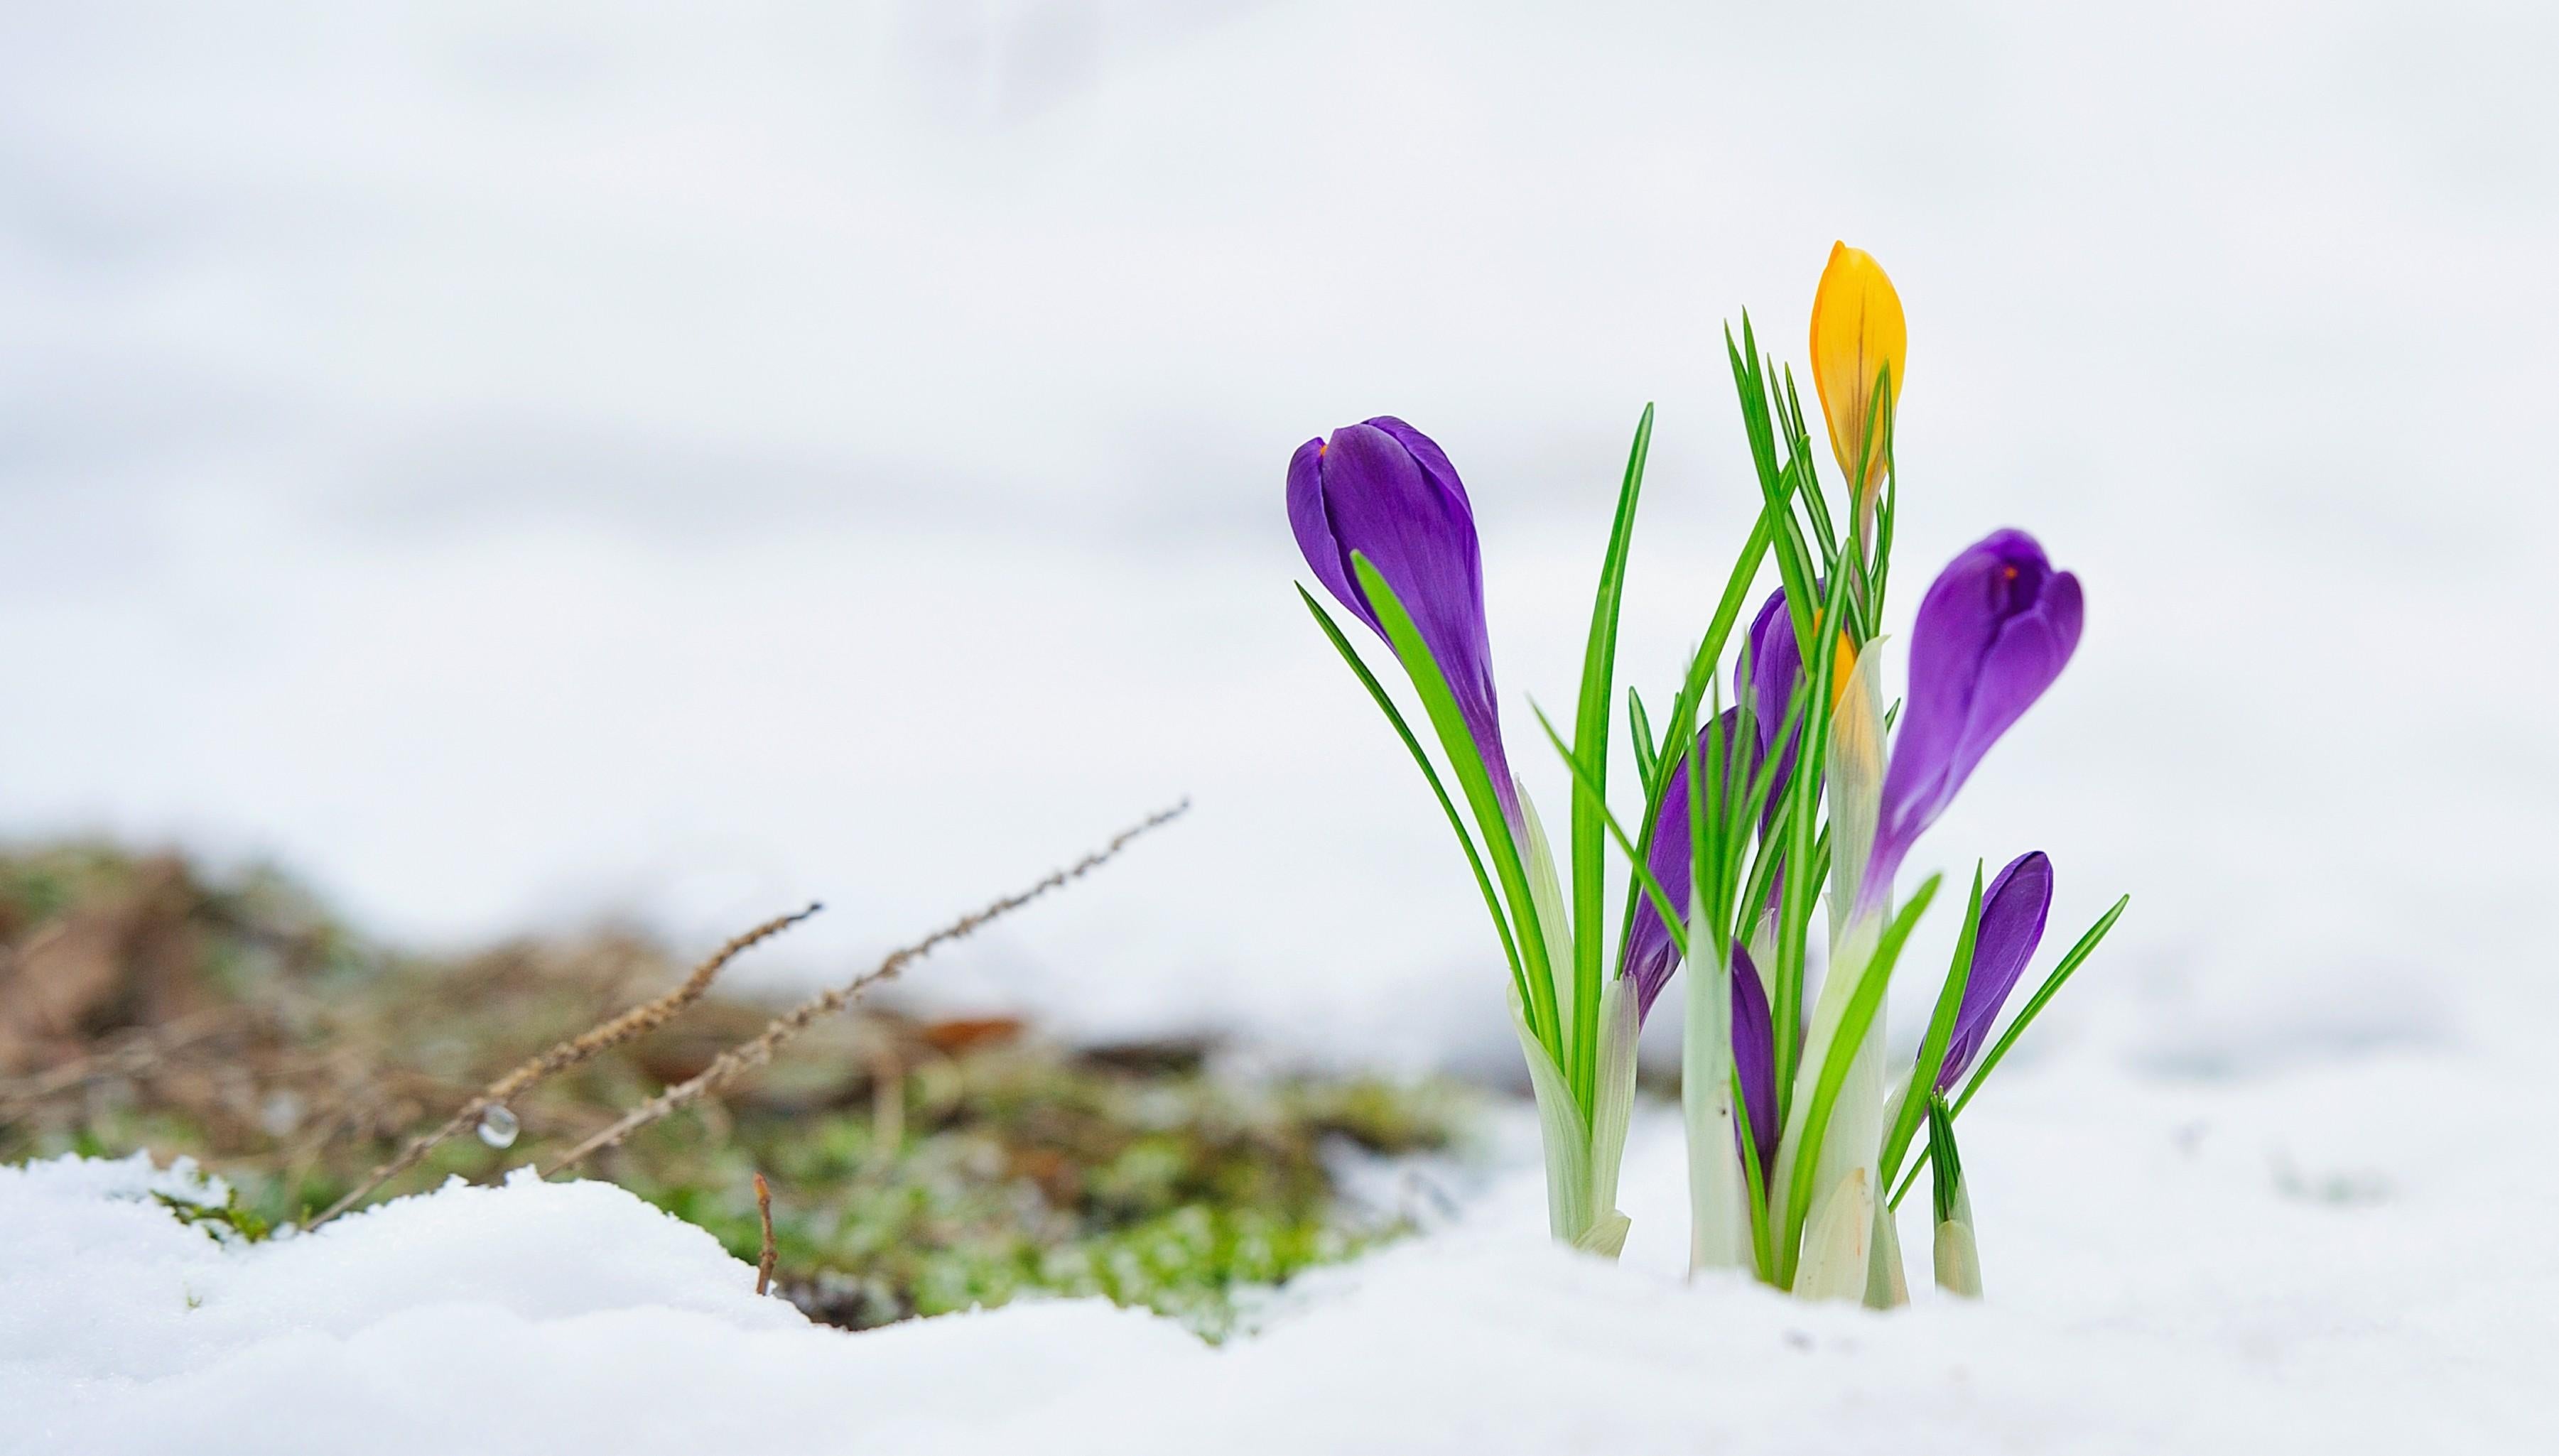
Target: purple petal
[[1383, 488], [1313, 527], [1995, 630], [2013, 913], [1776, 664], [1754, 1055]]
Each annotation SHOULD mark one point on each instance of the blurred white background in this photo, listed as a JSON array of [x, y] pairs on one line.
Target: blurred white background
[[517, 464]]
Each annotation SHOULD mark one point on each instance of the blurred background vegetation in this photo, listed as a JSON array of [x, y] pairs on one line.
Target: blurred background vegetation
[[917, 1166]]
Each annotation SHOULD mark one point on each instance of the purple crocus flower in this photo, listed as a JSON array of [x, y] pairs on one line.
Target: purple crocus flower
[[1385, 490], [2013, 912], [1775, 665], [1754, 1055], [1650, 956], [1996, 627]]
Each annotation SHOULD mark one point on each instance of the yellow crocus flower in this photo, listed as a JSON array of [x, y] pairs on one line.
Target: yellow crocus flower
[[1857, 335]]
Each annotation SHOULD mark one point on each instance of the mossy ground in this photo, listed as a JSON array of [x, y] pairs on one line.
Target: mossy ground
[[916, 1167]]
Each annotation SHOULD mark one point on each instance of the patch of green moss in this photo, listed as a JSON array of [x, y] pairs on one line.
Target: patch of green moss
[[215, 1219]]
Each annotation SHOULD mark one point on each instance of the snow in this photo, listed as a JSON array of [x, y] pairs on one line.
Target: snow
[[2320, 1261]]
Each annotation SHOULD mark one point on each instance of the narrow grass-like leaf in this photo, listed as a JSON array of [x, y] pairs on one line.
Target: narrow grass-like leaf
[[1941, 1030], [1855, 1019], [2052, 983], [1663, 905], [1591, 750], [1677, 739], [1942, 1155], [2079, 953], [1794, 566], [1469, 763], [1752, 890], [1883, 534], [1802, 460], [1879, 441], [1440, 790], [1648, 752], [1705, 795]]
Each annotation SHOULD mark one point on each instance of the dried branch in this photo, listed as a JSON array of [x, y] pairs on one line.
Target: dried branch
[[764, 1215], [754, 1053], [636, 1022]]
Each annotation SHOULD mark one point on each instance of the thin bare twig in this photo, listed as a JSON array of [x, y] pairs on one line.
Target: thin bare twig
[[636, 1022], [764, 1214], [759, 1050]]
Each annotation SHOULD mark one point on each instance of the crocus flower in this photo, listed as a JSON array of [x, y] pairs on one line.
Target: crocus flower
[[1857, 334], [1650, 956], [1993, 632], [2013, 912], [1385, 490]]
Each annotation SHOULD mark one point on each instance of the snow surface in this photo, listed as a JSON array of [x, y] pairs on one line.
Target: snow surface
[[2240, 1271]]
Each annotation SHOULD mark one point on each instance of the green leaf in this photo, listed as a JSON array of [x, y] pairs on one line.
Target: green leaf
[[1794, 566], [2042, 994], [2052, 983], [1941, 1030], [1477, 782], [1591, 750], [1707, 768], [1652, 888], [1858, 1015], [1942, 1155], [1804, 462], [1868, 599], [1679, 738], [1882, 576], [1440, 790], [1648, 752]]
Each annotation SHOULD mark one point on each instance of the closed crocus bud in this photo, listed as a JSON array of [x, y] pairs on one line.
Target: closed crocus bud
[[2011, 926], [1858, 338], [1385, 490]]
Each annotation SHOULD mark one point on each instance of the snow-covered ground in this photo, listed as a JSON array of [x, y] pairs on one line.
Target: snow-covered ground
[[2249, 1270], [520, 462]]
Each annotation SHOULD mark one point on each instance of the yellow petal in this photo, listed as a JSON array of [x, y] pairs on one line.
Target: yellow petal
[[1857, 335], [1842, 666]]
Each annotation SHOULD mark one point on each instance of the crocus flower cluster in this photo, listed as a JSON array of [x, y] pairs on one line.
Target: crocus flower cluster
[[1803, 793]]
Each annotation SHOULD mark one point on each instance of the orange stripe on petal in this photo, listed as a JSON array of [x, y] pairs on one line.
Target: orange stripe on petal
[[1843, 664]]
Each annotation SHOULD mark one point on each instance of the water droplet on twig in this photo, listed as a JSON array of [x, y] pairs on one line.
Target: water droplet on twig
[[497, 1128]]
